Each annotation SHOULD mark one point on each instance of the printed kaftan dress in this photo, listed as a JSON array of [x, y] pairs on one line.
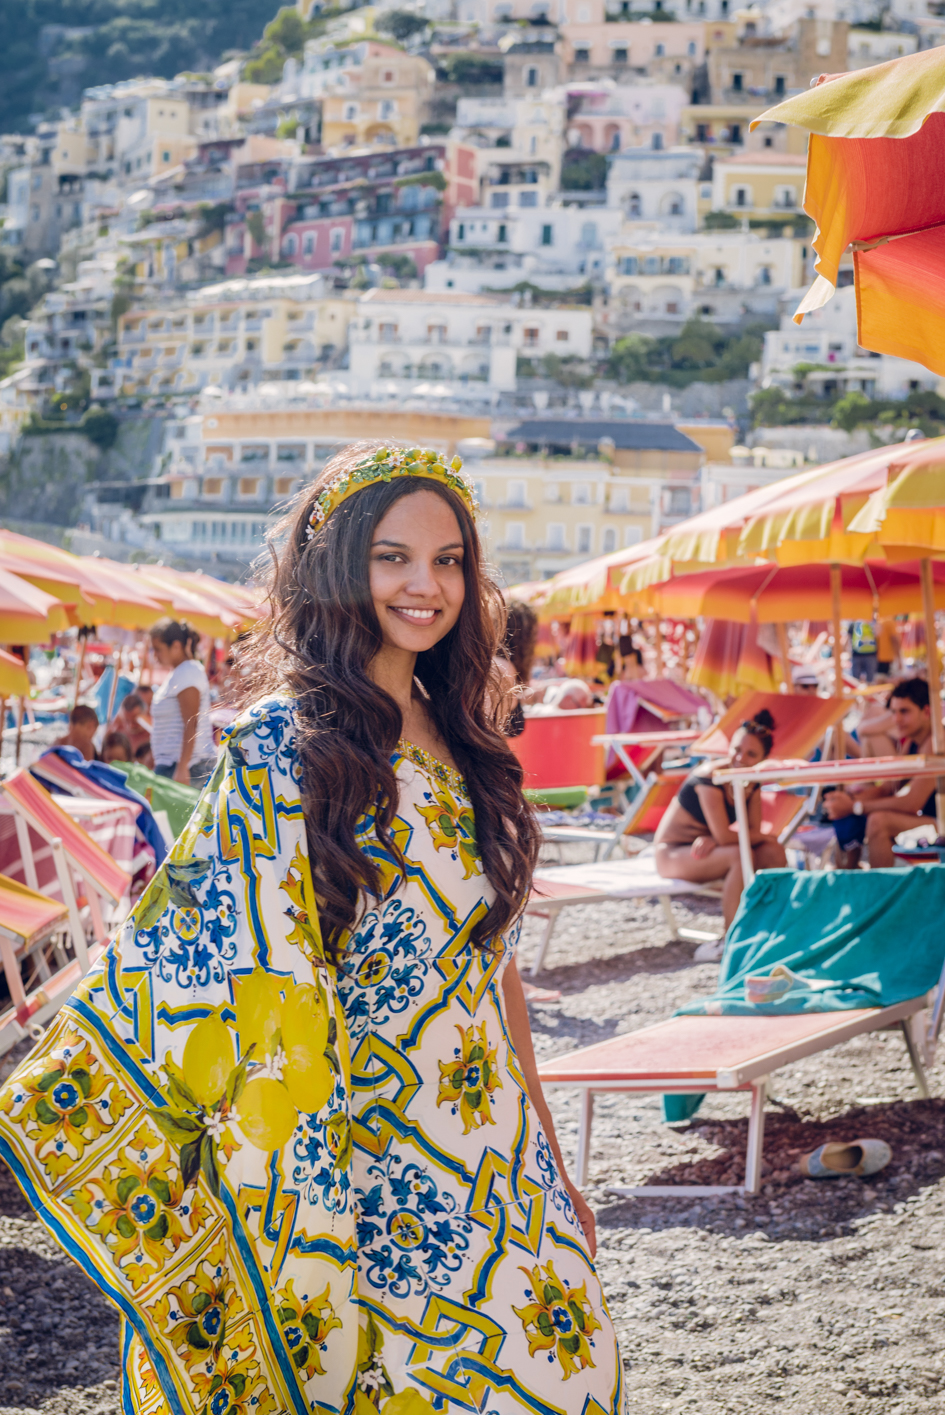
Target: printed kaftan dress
[[308, 1188]]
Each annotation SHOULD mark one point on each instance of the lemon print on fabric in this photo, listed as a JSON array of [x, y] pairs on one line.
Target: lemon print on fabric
[[559, 1320], [469, 1081]]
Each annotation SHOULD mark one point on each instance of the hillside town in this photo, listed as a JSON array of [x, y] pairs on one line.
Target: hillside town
[[546, 235]]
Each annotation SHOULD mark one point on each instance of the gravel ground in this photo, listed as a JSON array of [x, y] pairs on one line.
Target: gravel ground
[[819, 1295]]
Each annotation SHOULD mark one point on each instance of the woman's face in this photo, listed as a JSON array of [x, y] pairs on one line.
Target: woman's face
[[168, 655], [416, 572], [746, 749]]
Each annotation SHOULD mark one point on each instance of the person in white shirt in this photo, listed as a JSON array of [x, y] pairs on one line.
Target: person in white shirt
[[181, 735]]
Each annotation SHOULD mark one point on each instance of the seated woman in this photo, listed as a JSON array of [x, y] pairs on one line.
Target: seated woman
[[697, 839]]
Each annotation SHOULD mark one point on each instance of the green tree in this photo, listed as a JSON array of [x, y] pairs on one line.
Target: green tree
[[851, 410], [697, 344], [472, 69], [99, 426], [630, 357], [401, 24]]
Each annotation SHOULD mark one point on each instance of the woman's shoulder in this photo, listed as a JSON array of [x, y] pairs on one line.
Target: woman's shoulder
[[263, 732], [189, 674]]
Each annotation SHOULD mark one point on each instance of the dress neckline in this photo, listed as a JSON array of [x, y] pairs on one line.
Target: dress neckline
[[432, 765]]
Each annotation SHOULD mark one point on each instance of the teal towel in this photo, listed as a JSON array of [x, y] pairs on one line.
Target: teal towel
[[854, 938]]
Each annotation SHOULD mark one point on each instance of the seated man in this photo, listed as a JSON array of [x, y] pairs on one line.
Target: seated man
[[83, 725], [877, 814], [127, 721]]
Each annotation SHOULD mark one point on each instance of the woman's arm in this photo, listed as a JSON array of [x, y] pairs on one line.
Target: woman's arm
[[188, 700], [516, 1011]]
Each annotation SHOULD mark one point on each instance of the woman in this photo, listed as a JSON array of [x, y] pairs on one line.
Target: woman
[[697, 839], [515, 659], [326, 1177], [181, 733]]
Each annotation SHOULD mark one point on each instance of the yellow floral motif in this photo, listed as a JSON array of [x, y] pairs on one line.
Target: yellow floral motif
[[559, 1319], [468, 1081], [64, 1103], [452, 826], [303, 911], [306, 1323], [234, 1384], [196, 1314], [140, 1207]]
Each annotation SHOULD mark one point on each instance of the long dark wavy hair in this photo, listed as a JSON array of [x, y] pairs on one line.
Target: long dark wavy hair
[[319, 645]]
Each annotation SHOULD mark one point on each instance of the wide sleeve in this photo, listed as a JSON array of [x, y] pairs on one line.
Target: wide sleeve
[[184, 1126]]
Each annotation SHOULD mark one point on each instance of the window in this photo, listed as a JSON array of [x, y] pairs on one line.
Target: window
[[387, 333], [634, 205], [436, 333], [284, 485], [582, 55], [165, 156], [581, 494], [742, 196], [530, 337], [212, 486], [620, 56], [786, 198], [502, 234], [764, 275], [691, 49], [659, 51], [308, 243], [388, 76], [500, 201], [547, 235], [555, 536], [562, 336], [515, 535], [632, 535], [768, 142], [779, 84], [656, 142], [249, 486], [585, 540], [735, 132], [528, 198], [484, 334], [252, 345], [461, 232], [177, 490], [737, 82], [531, 77], [291, 244], [672, 307], [350, 112], [608, 543], [515, 493], [619, 499], [336, 240], [387, 109]]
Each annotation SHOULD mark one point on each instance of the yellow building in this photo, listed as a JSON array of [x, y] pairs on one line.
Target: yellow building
[[759, 184], [379, 97], [233, 335]]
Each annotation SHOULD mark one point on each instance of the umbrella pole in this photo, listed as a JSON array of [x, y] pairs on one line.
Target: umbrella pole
[[19, 731], [78, 670], [835, 588], [935, 686], [785, 659], [114, 688]]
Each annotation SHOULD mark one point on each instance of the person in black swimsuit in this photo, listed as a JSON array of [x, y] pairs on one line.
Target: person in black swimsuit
[[697, 840]]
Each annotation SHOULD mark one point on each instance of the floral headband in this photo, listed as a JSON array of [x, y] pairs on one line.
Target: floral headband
[[384, 465]]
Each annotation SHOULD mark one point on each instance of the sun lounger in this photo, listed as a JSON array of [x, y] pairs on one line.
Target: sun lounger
[[72, 849], [816, 948], [557, 887], [641, 817], [800, 722], [687, 1054]]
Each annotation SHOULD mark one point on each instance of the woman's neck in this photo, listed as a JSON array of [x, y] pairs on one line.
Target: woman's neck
[[393, 670]]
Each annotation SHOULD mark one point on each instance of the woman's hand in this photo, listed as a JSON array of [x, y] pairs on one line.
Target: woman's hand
[[585, 1215], [702, 846], [182, 774], [838, 804]]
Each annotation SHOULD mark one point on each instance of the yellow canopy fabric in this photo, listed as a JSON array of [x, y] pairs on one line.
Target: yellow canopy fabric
[[889, 100]]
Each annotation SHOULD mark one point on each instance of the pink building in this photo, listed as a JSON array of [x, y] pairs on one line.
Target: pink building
[[596, 43]]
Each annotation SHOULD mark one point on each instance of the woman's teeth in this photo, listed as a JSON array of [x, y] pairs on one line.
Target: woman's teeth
[[416, 613]]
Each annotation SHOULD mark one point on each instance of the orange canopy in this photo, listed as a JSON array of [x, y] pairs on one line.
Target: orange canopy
[[28, 615]]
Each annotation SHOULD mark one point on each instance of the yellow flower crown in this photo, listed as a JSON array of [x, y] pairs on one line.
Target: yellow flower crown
[[384, 465]]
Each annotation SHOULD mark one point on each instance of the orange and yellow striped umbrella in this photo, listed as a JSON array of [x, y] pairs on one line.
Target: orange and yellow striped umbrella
[[28, 615], [729, 660], [876, 185]]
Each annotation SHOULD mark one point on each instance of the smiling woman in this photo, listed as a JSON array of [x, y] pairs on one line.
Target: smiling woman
[[303, 1143]]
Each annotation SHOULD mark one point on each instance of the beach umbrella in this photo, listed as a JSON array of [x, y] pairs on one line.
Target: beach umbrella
[[730, 661], [100, 597], [28, 615], [876, 185]]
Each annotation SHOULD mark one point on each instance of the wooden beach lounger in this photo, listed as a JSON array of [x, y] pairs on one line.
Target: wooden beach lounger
[[558, 887], [684, 1055]]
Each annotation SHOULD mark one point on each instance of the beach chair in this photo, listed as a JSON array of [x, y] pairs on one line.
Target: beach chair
[[640, 818], [799, 723], [557, 887], [71, 849], [710, 1051]]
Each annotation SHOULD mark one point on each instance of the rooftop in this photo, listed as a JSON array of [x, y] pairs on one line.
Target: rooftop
[[629, 436]]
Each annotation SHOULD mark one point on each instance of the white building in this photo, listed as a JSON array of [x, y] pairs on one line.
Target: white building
[[655, 186], [869, 46], [657, 281], [454, 338], [823, 355], [534, 244], [505, 130]]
